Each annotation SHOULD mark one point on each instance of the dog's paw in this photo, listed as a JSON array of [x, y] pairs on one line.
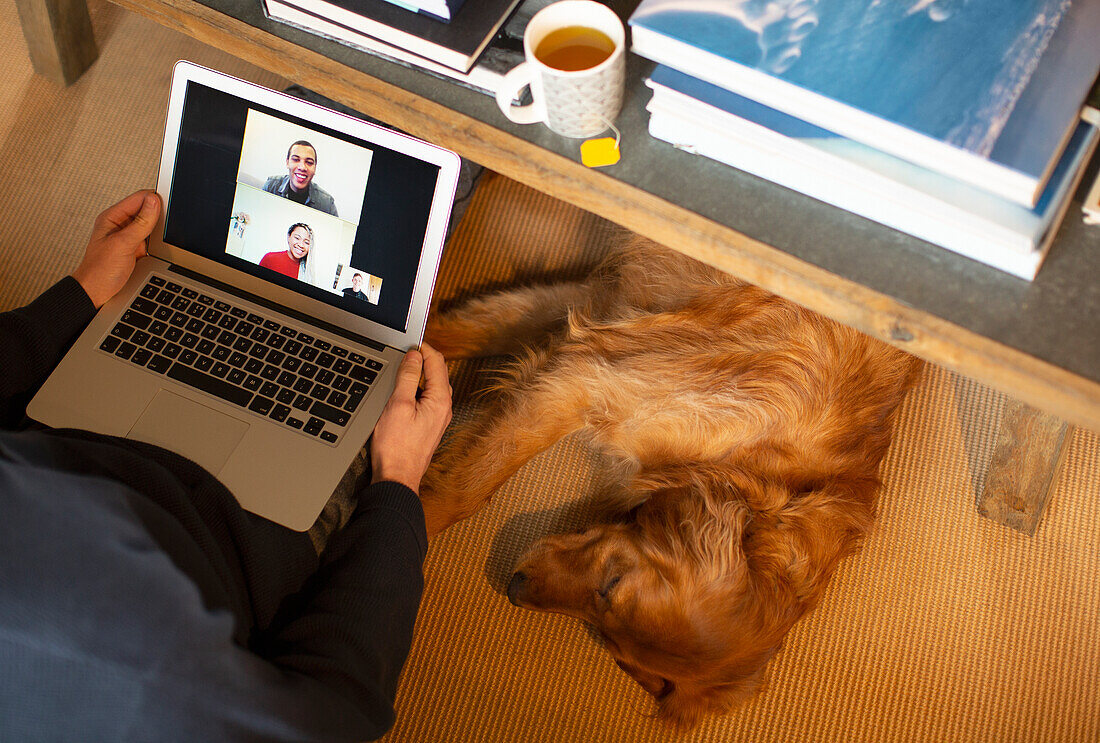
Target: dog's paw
[[445, 503]]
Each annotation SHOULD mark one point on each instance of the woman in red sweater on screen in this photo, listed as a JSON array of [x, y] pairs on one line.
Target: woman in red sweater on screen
[[291, 262]]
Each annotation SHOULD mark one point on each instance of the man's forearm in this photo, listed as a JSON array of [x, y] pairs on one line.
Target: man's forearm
[[32, 341]]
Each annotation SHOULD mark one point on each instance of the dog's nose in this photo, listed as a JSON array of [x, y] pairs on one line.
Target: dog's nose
[[517, 587]]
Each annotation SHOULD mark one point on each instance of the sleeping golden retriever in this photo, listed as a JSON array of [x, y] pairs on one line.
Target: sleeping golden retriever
[[742, 437]]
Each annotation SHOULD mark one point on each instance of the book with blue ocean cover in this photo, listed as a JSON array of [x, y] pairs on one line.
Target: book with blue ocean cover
[[986, 91]]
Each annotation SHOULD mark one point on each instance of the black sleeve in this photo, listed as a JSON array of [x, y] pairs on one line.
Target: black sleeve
[[352, 625], [32, 341]]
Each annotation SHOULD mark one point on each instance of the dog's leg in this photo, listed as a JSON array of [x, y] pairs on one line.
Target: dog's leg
[[505, 323], [540, 403]]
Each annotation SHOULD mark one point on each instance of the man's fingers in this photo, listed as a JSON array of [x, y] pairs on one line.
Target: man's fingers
[[121, 214], [408, 376], [436, 383], [142, 224]]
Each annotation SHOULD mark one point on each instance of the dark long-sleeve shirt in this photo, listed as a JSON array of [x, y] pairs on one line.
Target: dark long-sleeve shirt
[[138, 601]]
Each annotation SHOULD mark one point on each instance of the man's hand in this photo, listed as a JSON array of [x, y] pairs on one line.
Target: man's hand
[[118, 240], [411, 426]]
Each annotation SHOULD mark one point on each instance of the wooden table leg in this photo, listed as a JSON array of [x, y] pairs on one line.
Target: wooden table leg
[[59, 37], [1029, 452]]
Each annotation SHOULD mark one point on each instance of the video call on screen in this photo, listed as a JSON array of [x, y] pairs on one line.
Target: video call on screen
[[302, 206]]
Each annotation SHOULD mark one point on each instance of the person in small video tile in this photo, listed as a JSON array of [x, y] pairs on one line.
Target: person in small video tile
[[356, 289], [297, 185]]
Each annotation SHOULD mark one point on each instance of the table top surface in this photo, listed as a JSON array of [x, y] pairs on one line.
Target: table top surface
[[1038, 341]]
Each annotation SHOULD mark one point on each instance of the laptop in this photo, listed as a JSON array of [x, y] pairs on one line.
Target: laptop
[[293, 266]]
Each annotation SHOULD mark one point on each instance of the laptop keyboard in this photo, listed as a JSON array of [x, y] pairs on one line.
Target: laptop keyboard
[[236, 355]]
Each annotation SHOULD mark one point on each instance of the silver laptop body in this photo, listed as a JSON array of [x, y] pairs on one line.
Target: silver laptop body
[[265, 362]]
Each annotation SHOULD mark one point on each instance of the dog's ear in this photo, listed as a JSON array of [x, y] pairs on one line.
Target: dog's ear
[[685, 705]]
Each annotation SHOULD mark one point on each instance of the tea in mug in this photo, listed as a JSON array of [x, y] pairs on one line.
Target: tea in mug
[[574, 48]]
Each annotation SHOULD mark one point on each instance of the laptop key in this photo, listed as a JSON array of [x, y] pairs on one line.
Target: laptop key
[[189, 340], [237, 376], [156, 280], [259, 334], [188, 357], [337, 398], [342, 366], [221, 353], [203, 363], [329, 413], [173, 286], [109, 344], [253, 366], [123, 331], [237, 312], [205, 346], [254, 318], [307, 370], [309, 353], [275, 357], [292, 347], [221, 306], [140, 338], [157, 327], [329, 436], [303, 385], [206, 300], [356, 358], [159, 364], [144, 305], [294, 422], [286, 379], [279, 413], [125, 350], [269, 389], [292, 363], [325, 360], [172, 350], [219, 370], [314, 426], [362, 374], [217, 387], [270, 373], [227, 322], [341, 383], [286, 396], [211, 315], [178, 319], [194, 325], [276, 341], [253, 383], [242, 344], [163, 314], [181, 303], [136, 319], [319, 392], [165, 296], [261, 405], [173, 334], [155, 344], [325, 376], [237, 359], [226, 338], [141, 356], [306, 339], [339, 351], [303, 402], [258, 351], [323, 345], [189, 293], [372, 364], [271, 325], [211, 332]]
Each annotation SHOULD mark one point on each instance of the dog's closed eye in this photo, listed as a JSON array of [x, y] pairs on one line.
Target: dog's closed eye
[[608, 586]]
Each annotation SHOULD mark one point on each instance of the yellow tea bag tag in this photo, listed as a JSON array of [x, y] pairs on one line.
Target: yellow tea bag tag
[[596, 153]]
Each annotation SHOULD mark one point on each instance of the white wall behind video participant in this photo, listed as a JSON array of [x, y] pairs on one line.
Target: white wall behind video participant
[[341, 167], [265, 231]]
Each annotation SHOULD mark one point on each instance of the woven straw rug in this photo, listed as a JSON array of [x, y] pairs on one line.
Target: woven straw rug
[[946, 627]]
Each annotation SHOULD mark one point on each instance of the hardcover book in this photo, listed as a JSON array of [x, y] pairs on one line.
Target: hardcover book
[[455, 45], [724, 126], [986, 91]]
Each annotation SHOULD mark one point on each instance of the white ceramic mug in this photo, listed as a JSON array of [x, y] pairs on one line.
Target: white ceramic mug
[[573, 103]]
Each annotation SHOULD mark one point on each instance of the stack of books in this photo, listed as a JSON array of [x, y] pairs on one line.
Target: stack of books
[[453, 39], [960, 122]]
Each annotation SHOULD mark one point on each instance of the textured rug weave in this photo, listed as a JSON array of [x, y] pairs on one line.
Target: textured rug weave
[[946, 627]]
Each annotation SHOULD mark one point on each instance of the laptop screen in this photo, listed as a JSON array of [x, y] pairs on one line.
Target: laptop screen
[[312, 209]]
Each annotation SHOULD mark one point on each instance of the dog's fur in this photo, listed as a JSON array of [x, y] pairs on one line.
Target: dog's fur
[[742, 434]]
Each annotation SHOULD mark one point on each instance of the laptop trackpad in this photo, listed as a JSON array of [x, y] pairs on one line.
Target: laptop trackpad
[[195, 431]]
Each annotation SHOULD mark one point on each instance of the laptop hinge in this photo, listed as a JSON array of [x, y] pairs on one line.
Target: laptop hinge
[[282, 310]]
